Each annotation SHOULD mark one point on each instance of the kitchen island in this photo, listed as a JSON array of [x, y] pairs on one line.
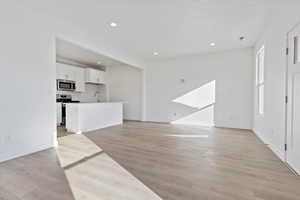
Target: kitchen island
[[84, 117]]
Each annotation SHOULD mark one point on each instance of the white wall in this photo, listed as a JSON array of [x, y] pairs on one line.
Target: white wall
[[27, 77], [271, 127], [125, 84], [232, 71], [27, 83]]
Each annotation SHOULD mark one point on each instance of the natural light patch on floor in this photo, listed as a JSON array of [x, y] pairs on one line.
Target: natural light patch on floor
[[74, 148], [93, 175], [202, 99], [103, 178]]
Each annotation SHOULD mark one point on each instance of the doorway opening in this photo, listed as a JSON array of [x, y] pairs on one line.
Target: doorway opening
[[79, 79]]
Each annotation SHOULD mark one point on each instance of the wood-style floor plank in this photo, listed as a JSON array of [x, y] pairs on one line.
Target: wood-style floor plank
[[102, 178], [73, 148], [62, 132], [176, 162], [93, 175], [34, 177], [192, 163]]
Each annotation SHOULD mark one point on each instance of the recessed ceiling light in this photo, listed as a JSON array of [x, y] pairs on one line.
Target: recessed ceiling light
[[99, 62], [113, 24], [155, 53], [212, 44]]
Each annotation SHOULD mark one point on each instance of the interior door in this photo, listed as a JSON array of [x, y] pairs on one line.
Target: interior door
[[293, 105]]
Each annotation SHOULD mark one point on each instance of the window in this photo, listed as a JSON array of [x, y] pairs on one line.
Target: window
[[260, 79]]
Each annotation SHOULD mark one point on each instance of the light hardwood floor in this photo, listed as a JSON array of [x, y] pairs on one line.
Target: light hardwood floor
[[34, 177], [176, 162], [192, 163], [93, 175], [61, 132]]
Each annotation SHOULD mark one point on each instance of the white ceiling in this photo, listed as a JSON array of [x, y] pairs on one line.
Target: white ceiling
[[171, 27], [73, 53]]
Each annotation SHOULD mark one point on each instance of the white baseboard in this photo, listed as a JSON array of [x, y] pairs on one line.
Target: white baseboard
[[158, 122], [233, 128], [262, 138], [277, 152], [273, 148], [9, 156]]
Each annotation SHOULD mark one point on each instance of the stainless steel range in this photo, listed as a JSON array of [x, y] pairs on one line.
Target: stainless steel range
[[63, 99]]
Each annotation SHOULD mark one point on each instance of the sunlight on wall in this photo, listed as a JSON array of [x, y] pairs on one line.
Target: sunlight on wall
[[203, 117], [200, 97], [203, 99]]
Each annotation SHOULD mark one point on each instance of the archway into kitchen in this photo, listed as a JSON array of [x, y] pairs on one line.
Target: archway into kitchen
[[94, 91]]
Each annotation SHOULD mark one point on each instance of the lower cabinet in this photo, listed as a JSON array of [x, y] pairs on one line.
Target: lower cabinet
[[58, 114]]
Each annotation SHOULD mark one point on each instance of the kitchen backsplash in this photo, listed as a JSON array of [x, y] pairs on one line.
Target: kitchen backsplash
[[93, 93]]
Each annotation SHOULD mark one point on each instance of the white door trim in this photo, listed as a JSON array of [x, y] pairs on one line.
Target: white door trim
[[288, 54]]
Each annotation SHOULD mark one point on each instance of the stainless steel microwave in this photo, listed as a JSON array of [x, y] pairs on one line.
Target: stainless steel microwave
[[65, 85]]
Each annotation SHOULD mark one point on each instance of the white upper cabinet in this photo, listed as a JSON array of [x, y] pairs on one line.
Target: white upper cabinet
[[65, 72], [94, 76], [80, 79], [71, 73]]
